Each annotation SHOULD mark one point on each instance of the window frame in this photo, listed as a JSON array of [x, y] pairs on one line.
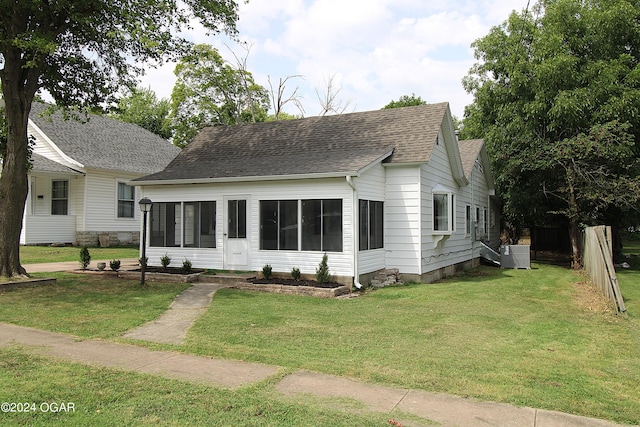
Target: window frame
[[161, 233], [131, 201], [371, 227], [56, 200], [450, 199], [281, 242]]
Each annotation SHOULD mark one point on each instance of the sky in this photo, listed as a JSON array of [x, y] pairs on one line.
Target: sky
[[373, 51]]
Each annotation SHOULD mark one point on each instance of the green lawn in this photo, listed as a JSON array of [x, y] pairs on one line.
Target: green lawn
[[40, 254], [535, 338]]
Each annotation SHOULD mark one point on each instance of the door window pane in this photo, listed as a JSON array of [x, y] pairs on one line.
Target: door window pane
[[237, 211]]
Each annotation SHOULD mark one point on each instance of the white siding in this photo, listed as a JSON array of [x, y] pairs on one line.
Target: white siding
[[39, 226], [281, 261], [402, 218], [439, 251], [101, 204]]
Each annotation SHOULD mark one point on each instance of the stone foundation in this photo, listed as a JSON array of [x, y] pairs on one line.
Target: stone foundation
[[389, 276], [107, 238]]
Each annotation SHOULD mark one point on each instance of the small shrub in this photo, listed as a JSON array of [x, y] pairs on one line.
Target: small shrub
[[295, 273], [115, 264], [322, 272], [186, 266], [165, 260], [85, 257], [266, 271]]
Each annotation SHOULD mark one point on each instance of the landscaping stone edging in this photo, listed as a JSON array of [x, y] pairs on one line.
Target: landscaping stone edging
[[293, 290], [26, 284]]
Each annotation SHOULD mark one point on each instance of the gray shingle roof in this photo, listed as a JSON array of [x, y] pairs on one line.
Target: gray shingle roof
[[317, 145], [105, 143]]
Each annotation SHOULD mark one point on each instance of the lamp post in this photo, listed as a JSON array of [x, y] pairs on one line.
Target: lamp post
[[145, 207]]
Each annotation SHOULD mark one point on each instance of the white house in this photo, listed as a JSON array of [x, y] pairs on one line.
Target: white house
[[79, 184], [373, 190]]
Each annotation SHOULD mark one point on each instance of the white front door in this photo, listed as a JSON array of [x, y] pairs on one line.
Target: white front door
[[236, 233]]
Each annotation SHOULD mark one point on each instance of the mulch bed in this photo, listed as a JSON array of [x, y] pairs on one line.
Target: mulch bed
[[169, 270], [291, 282]]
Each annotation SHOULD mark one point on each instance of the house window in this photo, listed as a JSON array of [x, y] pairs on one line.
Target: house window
[[126, 200], [485, 220], [467, 219], [371, 225], [199, 224], [443, 213], [59, 197], [165, 225], [279, 225], [322, 225]]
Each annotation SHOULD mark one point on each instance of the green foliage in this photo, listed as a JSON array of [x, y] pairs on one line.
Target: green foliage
[[405, 101], [165, 260], [186, 266], [295, 273], [209, 91], [142, 107], [85, 257], [267, 271], [115, 264], [556, 98], [322, 272]]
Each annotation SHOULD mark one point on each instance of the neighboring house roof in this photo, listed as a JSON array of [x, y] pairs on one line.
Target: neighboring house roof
[[105, 143], [340, 144], [42, 164]]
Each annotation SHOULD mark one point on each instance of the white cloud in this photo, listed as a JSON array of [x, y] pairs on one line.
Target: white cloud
[[378, 50]]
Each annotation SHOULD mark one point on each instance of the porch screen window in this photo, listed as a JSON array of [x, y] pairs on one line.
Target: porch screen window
[[237, 211], [165, 225], [443, 213], [200, 224], [371, 225], [279, 225], [322, 225], [59, 197], [126, 200]]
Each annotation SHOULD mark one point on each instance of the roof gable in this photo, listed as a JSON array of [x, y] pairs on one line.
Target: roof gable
[[104, 143], [342, 144], [473, 150]]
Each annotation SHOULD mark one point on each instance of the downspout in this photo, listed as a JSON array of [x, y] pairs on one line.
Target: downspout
[[354, 232]]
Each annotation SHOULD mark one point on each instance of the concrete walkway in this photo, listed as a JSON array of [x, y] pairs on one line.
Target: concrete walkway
[[172, 326]]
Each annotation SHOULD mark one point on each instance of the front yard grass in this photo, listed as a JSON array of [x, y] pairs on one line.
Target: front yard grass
[[526, 337], [537, 338], [87, 306], [41, 254]]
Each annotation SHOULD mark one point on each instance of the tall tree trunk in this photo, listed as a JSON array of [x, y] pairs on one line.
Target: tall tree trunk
[[573, 223], [13, 178]]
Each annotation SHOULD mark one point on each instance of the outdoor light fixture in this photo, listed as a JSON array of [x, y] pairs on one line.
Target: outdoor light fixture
[[145, 207]]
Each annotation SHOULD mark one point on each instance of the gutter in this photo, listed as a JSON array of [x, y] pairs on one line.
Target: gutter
[[354, 232]]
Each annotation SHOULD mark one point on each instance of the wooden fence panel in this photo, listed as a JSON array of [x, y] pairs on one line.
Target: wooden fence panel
[[597, 259]]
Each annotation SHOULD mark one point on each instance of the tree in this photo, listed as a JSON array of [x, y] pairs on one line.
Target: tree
[[82, 52], [328, 98], [556, 97], [142, 107], [405, 101], [279, 98], [210, 91]]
